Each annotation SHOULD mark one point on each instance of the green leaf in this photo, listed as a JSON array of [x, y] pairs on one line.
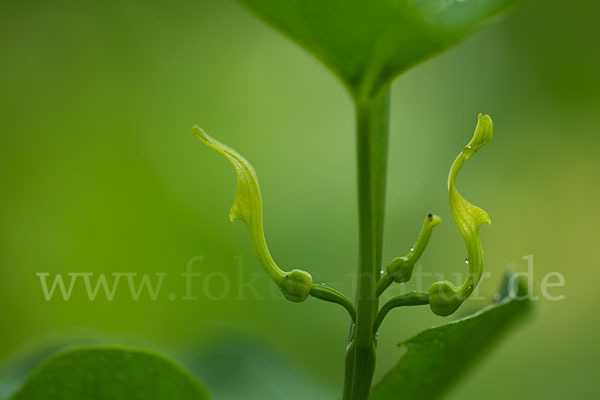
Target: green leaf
[[368, 42], [444, 297], [247, 206], [436, 358], [110, 373]]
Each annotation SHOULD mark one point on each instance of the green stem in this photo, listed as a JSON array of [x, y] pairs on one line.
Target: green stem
[[409, 299], [331, 295], [372, 144], [385, 281]]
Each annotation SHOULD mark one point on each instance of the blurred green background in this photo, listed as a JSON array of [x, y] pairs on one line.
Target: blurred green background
[[99, 174]]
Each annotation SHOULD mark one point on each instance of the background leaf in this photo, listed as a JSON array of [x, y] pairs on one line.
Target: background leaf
[[110, 373], [241, 366], [19, 366], [367, 43], [437, 357]]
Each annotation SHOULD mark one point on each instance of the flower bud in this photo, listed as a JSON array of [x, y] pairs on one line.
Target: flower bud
[[400, 269], [296, 285], [444, 298]]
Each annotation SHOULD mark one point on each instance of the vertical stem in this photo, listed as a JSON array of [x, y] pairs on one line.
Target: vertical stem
[[372, 143]]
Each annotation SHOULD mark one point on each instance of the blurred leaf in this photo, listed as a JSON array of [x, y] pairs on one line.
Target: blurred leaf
[[436, 358], [110, 373], [258, 370], [368, 43], [15, 370]]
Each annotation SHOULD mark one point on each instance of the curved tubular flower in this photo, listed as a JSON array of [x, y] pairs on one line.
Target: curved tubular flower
[[247, 206], [444, 297], [400, 269]]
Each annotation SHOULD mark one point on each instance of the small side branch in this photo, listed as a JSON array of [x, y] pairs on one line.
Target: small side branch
[[409, 299], [385, 281], [326, 293]]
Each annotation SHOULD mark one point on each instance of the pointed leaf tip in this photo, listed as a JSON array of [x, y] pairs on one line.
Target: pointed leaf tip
[[437, 358]]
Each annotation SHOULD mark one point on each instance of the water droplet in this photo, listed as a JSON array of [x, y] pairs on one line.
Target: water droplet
[[412, 248], [466, 260], [382, 272]]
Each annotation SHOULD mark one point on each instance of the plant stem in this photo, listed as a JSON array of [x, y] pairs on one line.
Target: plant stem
[[333, 296], [372, 121], [409, 299]]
